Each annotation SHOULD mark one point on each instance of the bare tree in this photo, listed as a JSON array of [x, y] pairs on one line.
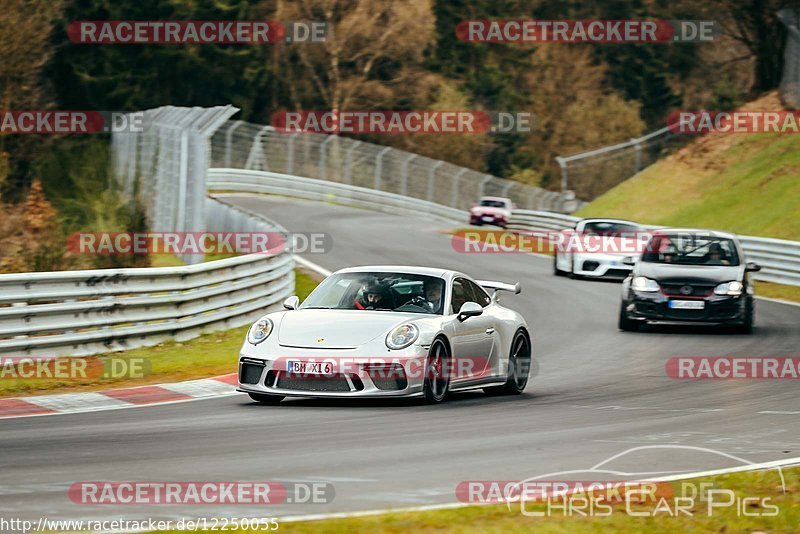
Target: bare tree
[[371, 50]]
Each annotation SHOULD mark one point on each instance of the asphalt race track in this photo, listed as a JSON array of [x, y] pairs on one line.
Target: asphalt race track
[[598, 392]]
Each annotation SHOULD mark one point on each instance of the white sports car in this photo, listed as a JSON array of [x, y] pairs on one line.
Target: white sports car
[[595, 248], [383, 331]]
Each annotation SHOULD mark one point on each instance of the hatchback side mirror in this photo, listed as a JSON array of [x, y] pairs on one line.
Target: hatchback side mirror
[[628, 260], [292, 302], [469, 309], [752, 267]]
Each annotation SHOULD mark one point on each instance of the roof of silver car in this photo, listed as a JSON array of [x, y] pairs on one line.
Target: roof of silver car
[[407, 269], [698, 231]]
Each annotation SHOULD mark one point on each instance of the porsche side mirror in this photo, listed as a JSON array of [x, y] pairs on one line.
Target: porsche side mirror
[[292, 302], [469, 309], [628, 260], [752, 267]]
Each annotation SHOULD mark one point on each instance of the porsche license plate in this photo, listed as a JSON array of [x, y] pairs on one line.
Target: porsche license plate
[[687, 304], [309, 368]]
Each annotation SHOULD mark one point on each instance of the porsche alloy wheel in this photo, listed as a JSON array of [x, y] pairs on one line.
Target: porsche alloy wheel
[[437, 376]]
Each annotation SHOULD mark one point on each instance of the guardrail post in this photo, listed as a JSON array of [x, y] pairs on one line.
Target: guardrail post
[[404, 174], [637, 146], [183, 178], [379, 167], [487, 178], [431, 177], [564, 172], [323, 158], [290, 154], [228, 138], [456, 184], [348, 172]]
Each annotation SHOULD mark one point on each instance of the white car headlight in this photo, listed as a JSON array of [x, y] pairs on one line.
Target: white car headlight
[[729, 288], [260, 331], [402, 336], [641, 283]]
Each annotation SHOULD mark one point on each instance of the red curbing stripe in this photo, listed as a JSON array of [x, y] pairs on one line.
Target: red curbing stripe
[[17, 407], [232, 379], [145, 395]]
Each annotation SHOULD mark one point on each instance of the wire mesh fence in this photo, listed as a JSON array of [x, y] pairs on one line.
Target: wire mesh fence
[[165, 166], [590, 174], [242, 145]]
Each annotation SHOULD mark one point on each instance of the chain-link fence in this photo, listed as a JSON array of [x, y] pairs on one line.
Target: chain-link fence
[[164, 165], [590, 174], [242, 145], [790, 83]]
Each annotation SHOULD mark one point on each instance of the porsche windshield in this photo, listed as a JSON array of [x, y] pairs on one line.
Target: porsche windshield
[[691, 249], [400, 292], [613, 229]]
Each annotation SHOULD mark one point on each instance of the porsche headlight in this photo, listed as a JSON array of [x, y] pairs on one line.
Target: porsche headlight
[[641, 283], [260, 331], [729, 288], [402, 336]]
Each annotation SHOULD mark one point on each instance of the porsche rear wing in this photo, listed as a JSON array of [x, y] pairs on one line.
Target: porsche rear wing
[[499, 286]]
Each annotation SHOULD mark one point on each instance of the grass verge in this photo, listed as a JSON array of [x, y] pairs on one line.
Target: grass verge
[[208, 355], [754, 493], [745, 184]]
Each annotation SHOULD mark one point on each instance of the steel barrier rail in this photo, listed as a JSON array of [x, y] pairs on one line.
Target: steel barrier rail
[[102, 310], [250, 181], [779, 258]]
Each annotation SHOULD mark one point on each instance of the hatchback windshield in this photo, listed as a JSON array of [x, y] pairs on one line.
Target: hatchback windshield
[[691, 249], [493, 203], [400, 292]]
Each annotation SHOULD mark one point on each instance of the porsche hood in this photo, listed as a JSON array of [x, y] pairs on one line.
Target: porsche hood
[[337, 329]]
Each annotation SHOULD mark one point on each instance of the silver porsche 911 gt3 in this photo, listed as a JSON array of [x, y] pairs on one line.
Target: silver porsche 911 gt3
[[385, 331]]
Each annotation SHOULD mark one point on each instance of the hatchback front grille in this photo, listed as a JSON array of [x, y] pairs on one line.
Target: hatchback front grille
[[687, 290]]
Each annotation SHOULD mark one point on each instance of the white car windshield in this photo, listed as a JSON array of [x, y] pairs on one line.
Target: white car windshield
[[493, 203], [399, 292], [689, 249]]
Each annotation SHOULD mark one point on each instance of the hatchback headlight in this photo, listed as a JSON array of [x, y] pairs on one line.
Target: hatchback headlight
[[260, 331], [641, 283], [402, 336], [729, 288]]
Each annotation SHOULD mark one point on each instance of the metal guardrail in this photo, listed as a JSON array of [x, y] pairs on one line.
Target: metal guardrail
[[103, 310], [347, 161], [308, 188], [779, 258]]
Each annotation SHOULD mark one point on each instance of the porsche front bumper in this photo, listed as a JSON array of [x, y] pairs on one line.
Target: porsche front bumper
[[395, 373]]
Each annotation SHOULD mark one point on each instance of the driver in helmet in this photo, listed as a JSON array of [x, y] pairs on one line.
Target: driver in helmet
[[373, 296]]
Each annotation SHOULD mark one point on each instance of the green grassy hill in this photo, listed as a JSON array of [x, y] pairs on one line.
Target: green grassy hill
[[748, 184]]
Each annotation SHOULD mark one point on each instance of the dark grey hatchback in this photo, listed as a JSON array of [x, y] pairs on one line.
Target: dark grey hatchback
[[689, 276]]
